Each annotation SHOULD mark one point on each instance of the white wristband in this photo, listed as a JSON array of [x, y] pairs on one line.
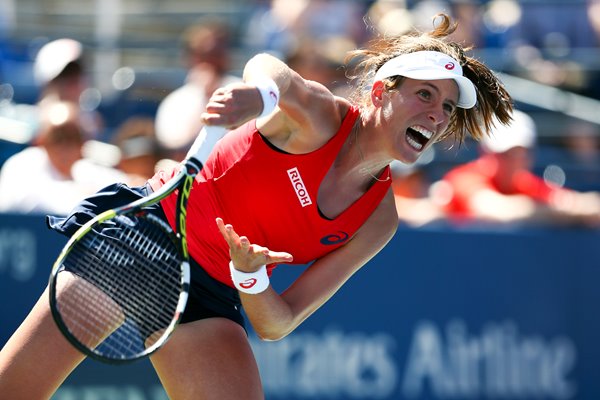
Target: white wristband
[[250, 282], [270, 95]]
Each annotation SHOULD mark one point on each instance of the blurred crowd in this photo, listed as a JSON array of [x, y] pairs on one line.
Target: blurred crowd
[[68, 143]]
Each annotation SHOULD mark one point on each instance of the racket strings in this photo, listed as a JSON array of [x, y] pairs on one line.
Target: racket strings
[[165, 308], [127, 286]]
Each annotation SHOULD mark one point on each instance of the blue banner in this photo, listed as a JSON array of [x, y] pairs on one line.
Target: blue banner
[[440, 313]]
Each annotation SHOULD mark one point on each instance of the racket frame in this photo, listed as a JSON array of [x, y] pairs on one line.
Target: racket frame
[[182, 181]]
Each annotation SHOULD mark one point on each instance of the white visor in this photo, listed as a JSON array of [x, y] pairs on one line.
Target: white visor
[[429, 66]]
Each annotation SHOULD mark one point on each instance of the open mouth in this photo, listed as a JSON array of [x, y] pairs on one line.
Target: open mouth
[[417, 137]]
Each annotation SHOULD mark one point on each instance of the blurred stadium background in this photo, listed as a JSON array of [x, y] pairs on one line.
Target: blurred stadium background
[[491, 313]]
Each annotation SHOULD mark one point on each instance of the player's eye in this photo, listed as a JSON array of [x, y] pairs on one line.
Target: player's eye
[[425, 94], [449, 108]]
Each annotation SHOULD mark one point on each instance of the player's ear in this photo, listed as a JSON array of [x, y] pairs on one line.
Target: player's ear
[[377, 93]]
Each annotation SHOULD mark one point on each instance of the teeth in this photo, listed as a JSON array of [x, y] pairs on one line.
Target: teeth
[[416, 145], [427, 133]]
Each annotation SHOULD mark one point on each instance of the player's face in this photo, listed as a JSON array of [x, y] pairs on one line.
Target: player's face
[[417, 114]]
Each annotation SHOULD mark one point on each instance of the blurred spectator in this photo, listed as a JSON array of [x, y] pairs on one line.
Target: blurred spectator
[[468, 15], [322, 61], [269, 26], [59, 75], [139, 149], [331, 18], [499, 17], [500, 187], [279, 27], [60, 71], [206, 53], [51, 176], [422, 11], [545, 41], [390, 17], [394, 18]]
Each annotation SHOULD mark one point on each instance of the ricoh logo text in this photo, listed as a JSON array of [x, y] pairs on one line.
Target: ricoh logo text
[[299, 187]]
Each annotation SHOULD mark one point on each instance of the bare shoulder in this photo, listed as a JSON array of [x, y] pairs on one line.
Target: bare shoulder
[[314, 104], [307, 120]]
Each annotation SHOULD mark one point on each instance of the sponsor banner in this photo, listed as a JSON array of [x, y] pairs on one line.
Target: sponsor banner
[[442, 362], [438, 314]]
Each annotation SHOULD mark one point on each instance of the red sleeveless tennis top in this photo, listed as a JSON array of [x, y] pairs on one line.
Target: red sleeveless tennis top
[[269, 196]]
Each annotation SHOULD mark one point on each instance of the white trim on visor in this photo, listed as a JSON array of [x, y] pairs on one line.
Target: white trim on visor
[[431, 65]]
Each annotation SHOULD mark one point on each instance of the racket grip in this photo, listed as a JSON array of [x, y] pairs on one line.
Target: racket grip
[[205, 141]]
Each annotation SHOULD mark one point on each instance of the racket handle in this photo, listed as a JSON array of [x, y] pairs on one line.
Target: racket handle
[[205, 141]]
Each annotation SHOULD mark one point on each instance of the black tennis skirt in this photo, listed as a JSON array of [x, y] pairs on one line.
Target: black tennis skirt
[[208, 298]]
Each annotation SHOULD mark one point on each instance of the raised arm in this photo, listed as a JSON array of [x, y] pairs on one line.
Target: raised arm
[[307, 114]]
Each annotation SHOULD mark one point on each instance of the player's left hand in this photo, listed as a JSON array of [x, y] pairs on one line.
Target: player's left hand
[[248, 257]]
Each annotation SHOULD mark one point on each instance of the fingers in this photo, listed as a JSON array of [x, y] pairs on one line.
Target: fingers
[[232, 105], [275, 257], [227, 231], [245, 255], [216, 110]]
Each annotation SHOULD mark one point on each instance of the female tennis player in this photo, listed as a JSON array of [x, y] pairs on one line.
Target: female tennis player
[[303, 176]]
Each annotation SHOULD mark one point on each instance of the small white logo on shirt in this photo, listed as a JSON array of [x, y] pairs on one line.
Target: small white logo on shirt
[[299, 187]]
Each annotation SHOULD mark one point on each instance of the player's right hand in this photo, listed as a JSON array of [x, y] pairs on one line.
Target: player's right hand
[[233, 105]]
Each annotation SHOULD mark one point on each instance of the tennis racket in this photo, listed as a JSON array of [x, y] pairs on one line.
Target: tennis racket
[[119, 286]]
